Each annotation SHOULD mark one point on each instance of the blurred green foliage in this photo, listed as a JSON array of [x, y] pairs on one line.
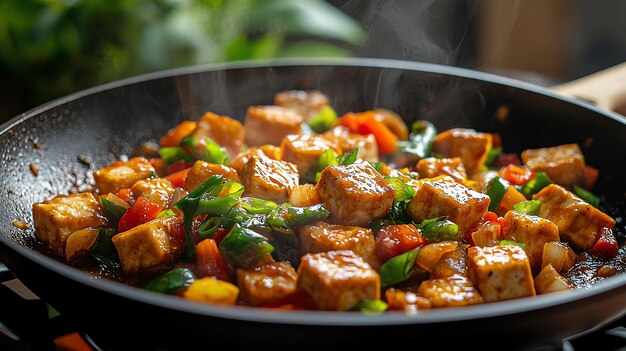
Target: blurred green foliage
[[49, 48]]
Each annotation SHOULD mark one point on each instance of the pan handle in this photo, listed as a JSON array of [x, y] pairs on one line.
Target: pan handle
[[606, 89]]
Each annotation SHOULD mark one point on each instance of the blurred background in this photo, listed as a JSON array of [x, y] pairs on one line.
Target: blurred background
[[50, 48]]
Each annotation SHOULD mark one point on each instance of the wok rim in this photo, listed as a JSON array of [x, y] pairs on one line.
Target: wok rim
[[314, 318]]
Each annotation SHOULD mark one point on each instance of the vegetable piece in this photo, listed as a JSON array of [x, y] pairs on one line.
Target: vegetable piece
[[209, 260], [404, 192], [493, 154], [394, 240], [393, 121], [219, 204], [419, 145], [295, 216], [142, 211], [559, 255], [439, 229], [516, 175], [113, 209], [591, 176], [214, 153], [399, 268], [365, 123], [397, 215], [242, 247], [323, 120], [171, 282], [79, 243], [533, 186], [367, 306], [126, 195], [530, 207], [431, 253], [606, 247], [511, 242], [348, 158], [173, 154], [496, 188], [178, 178], [587, 195], [304, 195], [549, 280], [104, 251], [257, 206], [176, 134]]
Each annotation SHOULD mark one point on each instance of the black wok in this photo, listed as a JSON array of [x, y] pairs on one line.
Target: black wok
[[100, 124]]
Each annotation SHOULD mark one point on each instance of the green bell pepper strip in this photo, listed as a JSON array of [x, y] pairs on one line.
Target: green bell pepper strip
[[171, 282], [533, 186], [368, 306], [404, 192], [348, 158], [511, 242], [587, 196], [243, 247], [420, 142], [398, 269], [530, 207], [323, 120], [173, 154], [496, 189], [439, 229], [214, 153], [492, 155], [112, 211], [326, 159], [104, 251]]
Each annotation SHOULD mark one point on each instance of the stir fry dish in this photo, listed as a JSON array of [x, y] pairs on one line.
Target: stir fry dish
[[301, 208]]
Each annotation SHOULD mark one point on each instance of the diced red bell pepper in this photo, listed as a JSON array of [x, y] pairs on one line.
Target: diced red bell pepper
[[209, 261], [142, 211], [493, 217], [516, 175], [365, 123], [176, 134], [126, 195], [178, 178], [177, 166], [397, 239], [507, 159], [591, 176], [606, 247]]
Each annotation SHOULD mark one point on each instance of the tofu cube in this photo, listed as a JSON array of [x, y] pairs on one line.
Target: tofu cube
[[303, 150], [225, 131], [270, 151], [355, 194], [201, 171], [271, 124], [269, 179], [469, 145], [442, 196], [308, 103], [579, 222], [147, 245], [341, 136], [337, 280], [262, 285], [122, 175], [431, 167], [324, 237], [57, 218], [564, 164], [500, 272], [452, 291], [531, 231], [158, 191]]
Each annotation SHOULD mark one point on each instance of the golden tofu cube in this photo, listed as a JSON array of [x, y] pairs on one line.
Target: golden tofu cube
[[57, 218], [341, 136], [406, 301], [158, 191], [147, 245], [324, 237], [308, 103], [270, 151], [355, 194], [579, 222], [500, 272], [264, 284], [271, 124], [269, 179], [442, 196], [212, 290], [532, 231], [431, 167], [564, 164], [337, 280], [225, 131], [471, 146], [452, 291], [303, 150], [122, 175], [201, 171]]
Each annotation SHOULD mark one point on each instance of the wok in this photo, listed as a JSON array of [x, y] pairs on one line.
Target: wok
[[87, 130]]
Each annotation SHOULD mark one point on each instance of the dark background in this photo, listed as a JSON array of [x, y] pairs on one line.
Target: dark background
[[53, 48]]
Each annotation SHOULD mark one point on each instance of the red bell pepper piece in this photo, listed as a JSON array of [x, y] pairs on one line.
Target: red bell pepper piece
[[142, 211], [178, 178], [394, 240], [366, 123], [516, 175], [606, 246], [177, 166], [126, 195], [209, 261]]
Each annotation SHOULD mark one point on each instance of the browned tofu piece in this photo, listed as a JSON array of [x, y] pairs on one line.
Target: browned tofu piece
[[452, 291], [564, 164], [201, 171], [121, 175], [269, 179], [147, 245], [532, 231], [500, 272], [270, 151], [355, 194], [341, 136], [324, 237], [227, 132], [471, 146], [337, 280], [406, 301], [451, 263], [158, 191], [308, 103], [579, 223], [262, 285], [431, 167], [487, 234], [271, 124], [442, 196], [57, 218], [303, 150]]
